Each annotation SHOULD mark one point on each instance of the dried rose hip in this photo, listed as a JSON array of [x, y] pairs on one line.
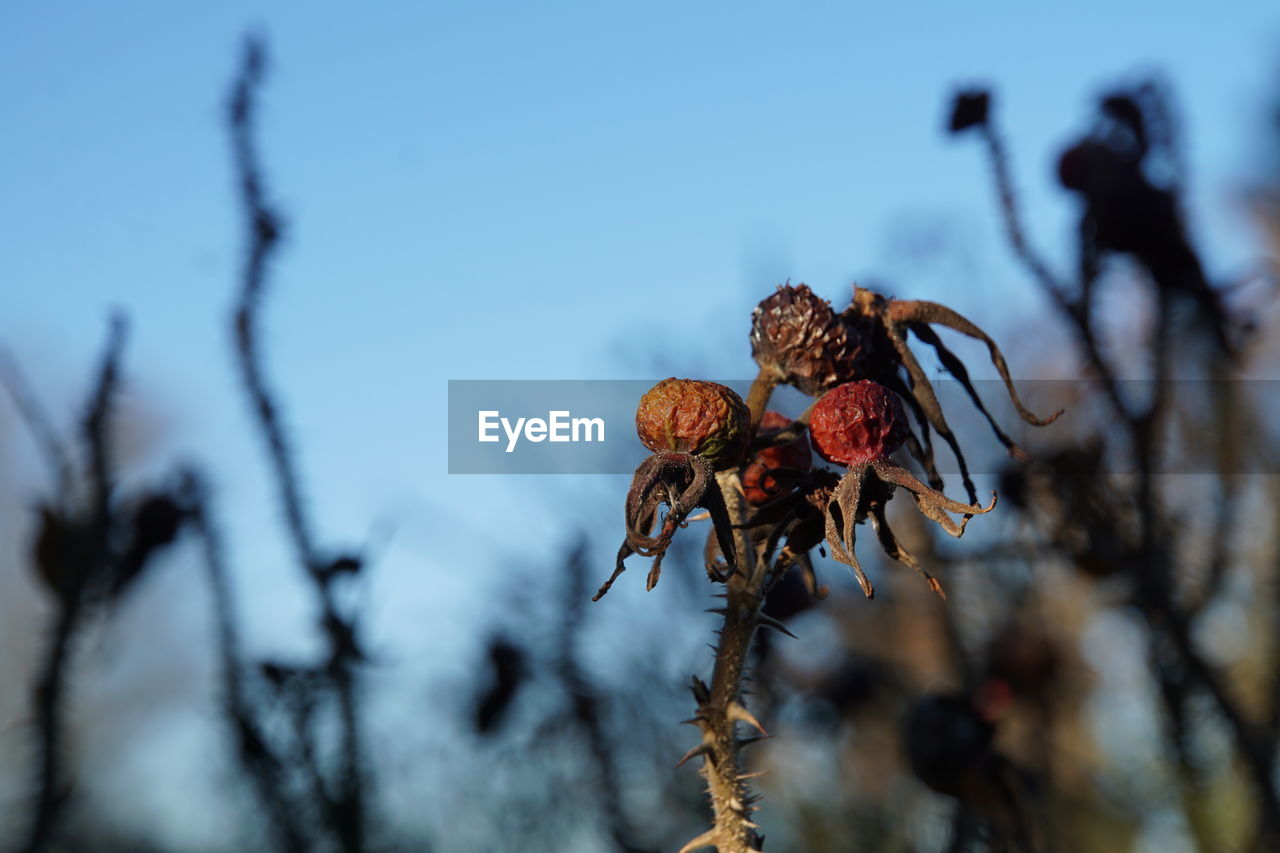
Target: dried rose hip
[[691, 416], [796, 336], [758, 484], [858, 422]]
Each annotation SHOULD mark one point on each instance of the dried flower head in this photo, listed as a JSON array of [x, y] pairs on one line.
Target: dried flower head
[[797, 338]]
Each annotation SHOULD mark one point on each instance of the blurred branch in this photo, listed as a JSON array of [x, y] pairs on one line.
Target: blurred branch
[[89, 556], [1075, 310], [255, 754], [345, 813], [587, 707], [1153, 565], [37, 420]]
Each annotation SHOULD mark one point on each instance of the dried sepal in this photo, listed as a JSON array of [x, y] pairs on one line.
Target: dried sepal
[[863, 493], [913, 312], [682, 482], [897, 367]]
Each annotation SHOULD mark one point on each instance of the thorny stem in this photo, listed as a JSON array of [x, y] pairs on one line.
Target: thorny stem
[[720, 707], [722, 766], [346, 814]]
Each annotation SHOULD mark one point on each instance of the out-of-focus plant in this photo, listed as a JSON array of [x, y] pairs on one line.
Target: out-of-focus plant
[[1128, 175], [92, 545]]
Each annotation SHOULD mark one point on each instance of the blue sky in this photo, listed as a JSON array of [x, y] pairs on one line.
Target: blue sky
[[513, 190]]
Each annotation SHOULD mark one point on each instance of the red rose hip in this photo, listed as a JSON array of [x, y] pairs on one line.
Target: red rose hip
[[857, 422]]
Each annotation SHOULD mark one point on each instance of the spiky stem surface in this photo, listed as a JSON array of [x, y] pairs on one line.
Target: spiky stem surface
[[721, 709]]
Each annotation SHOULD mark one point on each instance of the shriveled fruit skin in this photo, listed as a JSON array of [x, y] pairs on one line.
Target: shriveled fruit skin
[[799, 339], [858, 422], [696, 417], [758, 485]]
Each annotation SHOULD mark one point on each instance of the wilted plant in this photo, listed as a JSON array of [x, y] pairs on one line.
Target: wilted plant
[[858, 364]]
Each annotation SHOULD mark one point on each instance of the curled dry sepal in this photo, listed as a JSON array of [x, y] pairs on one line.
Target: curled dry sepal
[[886, 323], [694, 429]]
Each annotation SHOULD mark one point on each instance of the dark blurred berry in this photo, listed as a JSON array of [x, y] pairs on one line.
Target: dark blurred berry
[[156, 523], [1024, 658], [789, 596], [948, 743], [507, 665], [852, 684], [59, 553], [969, 109]]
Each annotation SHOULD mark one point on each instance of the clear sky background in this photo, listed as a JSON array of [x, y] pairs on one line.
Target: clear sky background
[[516, 190]]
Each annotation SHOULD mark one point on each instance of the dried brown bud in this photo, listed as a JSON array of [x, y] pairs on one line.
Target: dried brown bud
[[691, 416], [798, 337]]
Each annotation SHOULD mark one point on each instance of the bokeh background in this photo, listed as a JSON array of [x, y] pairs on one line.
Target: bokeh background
[[560, 191]]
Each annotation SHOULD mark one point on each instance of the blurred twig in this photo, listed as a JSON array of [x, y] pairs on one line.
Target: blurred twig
[[345, 812], [255, 753], [588, 710], [38, 422], [1153, 565], [90, 555]]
